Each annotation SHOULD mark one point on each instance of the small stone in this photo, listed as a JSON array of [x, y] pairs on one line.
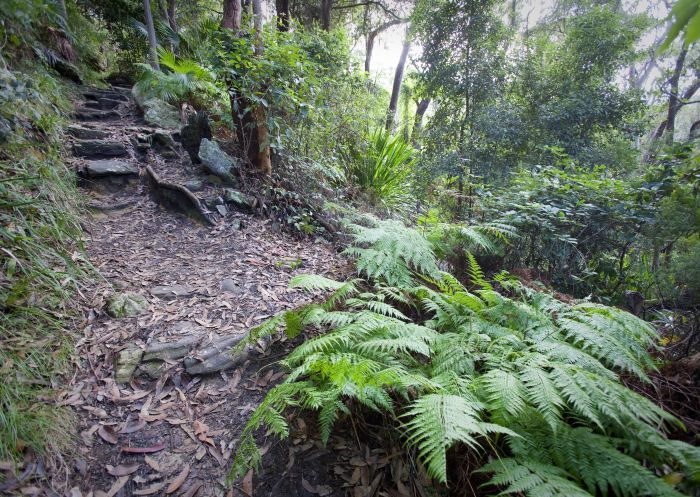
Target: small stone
[[222, 210], [126, 304], [170, 292], [240, 200], [126, 362], [237, 223], [228, 285], [212, 202], [194, 185], [110, 167]]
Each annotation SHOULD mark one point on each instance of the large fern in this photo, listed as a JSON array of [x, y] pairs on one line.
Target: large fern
[[526, 381]]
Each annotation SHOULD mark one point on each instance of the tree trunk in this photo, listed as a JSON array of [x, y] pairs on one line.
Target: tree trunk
[[232, 15], [372, 36], [421, 108], [326, 6], [282, 14], [152, 43], [673, 99], [396, 88], [263, 153], [172, 15]]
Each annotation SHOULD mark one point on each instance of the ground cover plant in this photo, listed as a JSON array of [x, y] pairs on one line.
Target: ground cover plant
[[529, 384]]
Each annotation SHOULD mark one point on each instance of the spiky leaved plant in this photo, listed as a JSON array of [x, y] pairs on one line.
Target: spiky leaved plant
[[529, 384]]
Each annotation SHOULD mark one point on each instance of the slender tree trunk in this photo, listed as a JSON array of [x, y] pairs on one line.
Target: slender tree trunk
[[233, 11], [421, 108], [372, 36], [326, 7], [396, 88], [283, 16], [152, 43], [264, 163], [172, 15], [673, 99]]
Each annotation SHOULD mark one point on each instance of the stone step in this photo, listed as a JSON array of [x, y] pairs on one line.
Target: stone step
[[111, 94], [97, 149], [95, 115], [85, 133], [103, 104], [110, 167]]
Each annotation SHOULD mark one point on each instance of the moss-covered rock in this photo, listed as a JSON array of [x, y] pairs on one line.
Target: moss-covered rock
[[126, 304]]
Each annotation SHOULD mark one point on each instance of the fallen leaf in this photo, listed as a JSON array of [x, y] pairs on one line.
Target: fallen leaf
[[152, 463], [193, 489], [117, 486], [122, 469], [248, 483], [143, 450], [178, 480], [149, 490], [133, 427], [107, 434]]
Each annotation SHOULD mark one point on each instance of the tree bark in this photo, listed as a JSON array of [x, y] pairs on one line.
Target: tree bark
[[673, 99], [396, 88], [232, 15], [263, 159], [283, 16], [371, 37], [326, 7], [421, 108], [152, 43], [172, 15]]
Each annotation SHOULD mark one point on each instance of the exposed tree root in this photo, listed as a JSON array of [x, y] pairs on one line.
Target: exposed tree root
[[177, 197]]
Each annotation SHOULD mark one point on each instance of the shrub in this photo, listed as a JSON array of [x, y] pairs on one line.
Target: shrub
[[382, 169]]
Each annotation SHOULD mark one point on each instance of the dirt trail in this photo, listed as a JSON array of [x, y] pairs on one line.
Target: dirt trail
[[168, 432]]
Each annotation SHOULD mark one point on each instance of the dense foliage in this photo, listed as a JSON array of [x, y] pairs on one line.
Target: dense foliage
[[513, 374], [560, 149]]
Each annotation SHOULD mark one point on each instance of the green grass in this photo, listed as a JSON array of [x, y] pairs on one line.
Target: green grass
[[40, 263]]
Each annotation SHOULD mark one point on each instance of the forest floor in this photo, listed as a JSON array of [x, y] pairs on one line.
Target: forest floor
[[167, 431]]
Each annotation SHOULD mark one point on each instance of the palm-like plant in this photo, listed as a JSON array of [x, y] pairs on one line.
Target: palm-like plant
[[383, 169], [183, 80]]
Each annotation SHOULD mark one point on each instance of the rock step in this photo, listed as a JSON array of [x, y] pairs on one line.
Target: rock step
[[97, 149], [95, 115], [110, 167], [103, 103], [85, 133], [111, 94]]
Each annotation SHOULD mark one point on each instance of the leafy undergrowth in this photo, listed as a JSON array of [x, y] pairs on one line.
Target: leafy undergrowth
[[39, 265], [527, 385]]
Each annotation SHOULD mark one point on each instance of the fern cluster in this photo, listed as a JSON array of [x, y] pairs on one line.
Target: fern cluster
[[529, 384]]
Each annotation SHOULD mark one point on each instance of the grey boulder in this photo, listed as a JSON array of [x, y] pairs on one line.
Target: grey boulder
[[217, 162]]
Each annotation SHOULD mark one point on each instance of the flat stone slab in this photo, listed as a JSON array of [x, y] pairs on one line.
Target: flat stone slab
[[110, 167], [95, 115], [170, 292], [86, 133], [98, 149]]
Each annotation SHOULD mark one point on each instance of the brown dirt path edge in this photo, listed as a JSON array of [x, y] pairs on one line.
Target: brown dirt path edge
[[176, 435]]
